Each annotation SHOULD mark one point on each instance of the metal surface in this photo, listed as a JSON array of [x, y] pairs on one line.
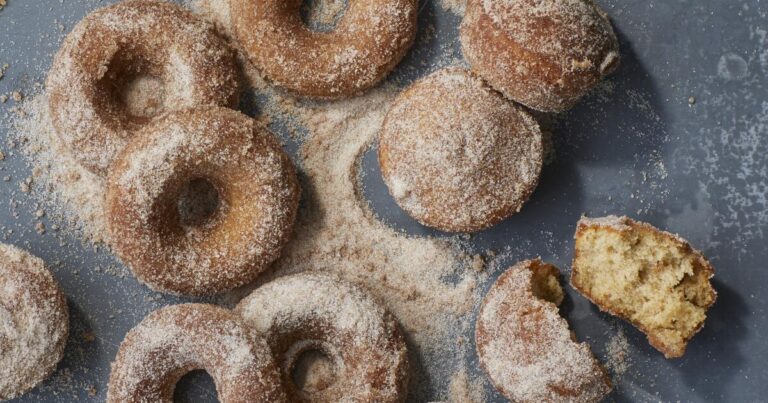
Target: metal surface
[[678, 138]]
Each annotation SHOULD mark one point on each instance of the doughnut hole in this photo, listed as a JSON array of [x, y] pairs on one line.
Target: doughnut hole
[[133, 88], [311, 365], [313, 371], [188, 387], [322, 15], [197, 203]]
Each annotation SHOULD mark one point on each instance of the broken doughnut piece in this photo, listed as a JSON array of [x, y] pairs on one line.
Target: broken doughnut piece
[[526, 347], [651, 278]]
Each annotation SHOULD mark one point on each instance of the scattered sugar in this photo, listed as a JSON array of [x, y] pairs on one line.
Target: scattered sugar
[[617, 349]]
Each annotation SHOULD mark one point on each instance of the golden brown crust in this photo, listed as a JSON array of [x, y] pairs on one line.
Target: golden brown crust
[[130, 39], [543, 54], [456, 155], [34, 322], [175, 340], [620, 225], [258, 198], [314, 311], [526, 347], [368, 41]]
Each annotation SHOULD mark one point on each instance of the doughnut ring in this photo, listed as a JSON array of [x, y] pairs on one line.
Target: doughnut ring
[[526, 347], [369, 40], [543, 54], [456, 155], [175, 340], [252, 177], [107, 57], [312, 311], [34, 322]]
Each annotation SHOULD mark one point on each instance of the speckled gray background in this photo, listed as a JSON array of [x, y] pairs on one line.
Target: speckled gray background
[[637, 146]]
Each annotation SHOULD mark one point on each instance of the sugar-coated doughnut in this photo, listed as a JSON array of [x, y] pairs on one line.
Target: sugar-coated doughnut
[[173, 341], [312, 311], [116, 50], [545, 54], [254, 181], [526, 347], [368, 41], [34, 322], [456, 155]]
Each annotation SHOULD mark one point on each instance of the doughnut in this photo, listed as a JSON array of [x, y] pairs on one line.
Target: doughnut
[[128, 62], [252, 179], [651, 278], [526, 347], [456, 155], [34, 322], [317, 312], [369, 40], [175, 340], [544, 54]]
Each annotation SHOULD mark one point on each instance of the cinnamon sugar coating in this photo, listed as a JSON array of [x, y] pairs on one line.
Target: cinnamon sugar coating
[[526, 347], [34, 322], [544, 54], [456, 155], [175, 340], [257, 191], [313, 311], [368, 41], [115, 47]]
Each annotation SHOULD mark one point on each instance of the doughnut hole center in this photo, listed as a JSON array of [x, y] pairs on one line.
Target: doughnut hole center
[[198, 202], [322, 15], [135, 87], [189, 387], [313, 372], [143, 96]]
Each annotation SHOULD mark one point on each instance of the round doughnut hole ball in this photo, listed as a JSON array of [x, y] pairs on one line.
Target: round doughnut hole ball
[[198, 202], [322, 15], [313, 372]]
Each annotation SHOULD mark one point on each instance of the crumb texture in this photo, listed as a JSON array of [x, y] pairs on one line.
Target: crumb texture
[[34, 322], [312, 311], [526, 347], [649, 277], [458, 156], [173, 341]]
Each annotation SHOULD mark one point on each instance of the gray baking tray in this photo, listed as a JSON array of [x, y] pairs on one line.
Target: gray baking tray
[[678, 137]]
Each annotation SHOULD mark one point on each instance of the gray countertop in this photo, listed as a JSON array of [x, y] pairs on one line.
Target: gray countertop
[[678, 137]]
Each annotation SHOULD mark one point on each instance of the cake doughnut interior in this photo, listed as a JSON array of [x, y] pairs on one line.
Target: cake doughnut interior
[[651, 278]]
